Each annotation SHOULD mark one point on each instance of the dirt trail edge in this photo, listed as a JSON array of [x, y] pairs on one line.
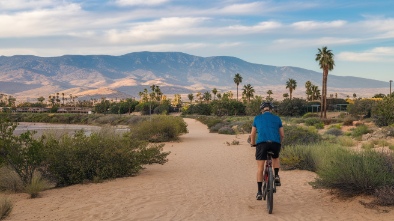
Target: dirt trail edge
[[204, 179]]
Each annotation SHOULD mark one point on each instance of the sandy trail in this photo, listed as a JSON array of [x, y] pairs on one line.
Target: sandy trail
[[205, 179]]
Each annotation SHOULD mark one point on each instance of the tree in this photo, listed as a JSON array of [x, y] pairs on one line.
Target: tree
[[207, 96], [190, 96], [237, 81], [248, 92], [291, 84], [285, 95], [214, 92], [315, 92], [308, 91], [380, 95], [41, 99], [269, 92], [199, 96], [325, 58], [354, 95]]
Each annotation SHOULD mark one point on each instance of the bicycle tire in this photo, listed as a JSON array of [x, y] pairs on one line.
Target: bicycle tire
[[270, 192], [264, 190]]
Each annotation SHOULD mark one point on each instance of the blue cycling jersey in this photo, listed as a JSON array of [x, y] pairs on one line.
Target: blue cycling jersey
[[267, 125]]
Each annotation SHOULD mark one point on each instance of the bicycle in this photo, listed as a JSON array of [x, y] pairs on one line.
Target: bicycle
[[269, 185]]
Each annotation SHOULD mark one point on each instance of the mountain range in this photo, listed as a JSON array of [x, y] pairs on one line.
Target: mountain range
[[29, 77]]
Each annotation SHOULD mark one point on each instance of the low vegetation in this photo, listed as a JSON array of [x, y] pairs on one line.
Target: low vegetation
[[5, 207]]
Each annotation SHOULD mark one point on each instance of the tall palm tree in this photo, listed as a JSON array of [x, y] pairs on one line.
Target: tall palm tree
[[291, 84], [199, 96], [190, 96], [248, 92], [214, 92], [325, 58], [237, 81]]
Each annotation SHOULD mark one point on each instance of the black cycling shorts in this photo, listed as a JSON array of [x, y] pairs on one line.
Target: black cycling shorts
[[264, 147]]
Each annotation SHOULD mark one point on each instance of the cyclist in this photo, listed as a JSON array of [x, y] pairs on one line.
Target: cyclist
[[269, 138]]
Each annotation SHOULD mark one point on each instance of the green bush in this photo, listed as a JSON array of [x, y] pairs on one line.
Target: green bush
[[383, 113], [159, 129], [293, 107], [348, 121], [5, 207], [357, 172], [312, 121], [346, 141], [295, 135], [360, 130], [309, 115], [102, 155], [199, 109], [334, 131]]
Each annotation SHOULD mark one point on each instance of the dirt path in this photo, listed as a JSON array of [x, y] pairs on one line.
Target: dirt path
[[205, 179]]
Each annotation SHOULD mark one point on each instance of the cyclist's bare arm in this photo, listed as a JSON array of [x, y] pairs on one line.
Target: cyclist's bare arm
[[282, 134], [253, 136]]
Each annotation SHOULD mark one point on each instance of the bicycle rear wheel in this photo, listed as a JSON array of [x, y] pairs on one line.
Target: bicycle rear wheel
[[270, 192]]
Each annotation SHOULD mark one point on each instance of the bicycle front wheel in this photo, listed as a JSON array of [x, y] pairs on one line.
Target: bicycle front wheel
[[270, 192]]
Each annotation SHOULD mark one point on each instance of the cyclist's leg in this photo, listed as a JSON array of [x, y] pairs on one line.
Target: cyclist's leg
[[260, 159], [276, 147]]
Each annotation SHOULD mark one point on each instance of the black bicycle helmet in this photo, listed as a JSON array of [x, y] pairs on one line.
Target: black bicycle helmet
[[266, 104]]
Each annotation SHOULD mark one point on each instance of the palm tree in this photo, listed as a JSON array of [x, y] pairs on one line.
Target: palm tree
[[269, 92], [237, 81], [207, 96], [291, 84], [199, 96], [308, 92], [214, 92], [315, 92], [248, 92], [285, 95], [325, 58], [190, 96], [63, 98]]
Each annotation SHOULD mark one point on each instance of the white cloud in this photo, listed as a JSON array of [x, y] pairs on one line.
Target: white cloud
[[27, 4], [140, 2], [158, 29], [379, 54], [310, 25], [243, 30]]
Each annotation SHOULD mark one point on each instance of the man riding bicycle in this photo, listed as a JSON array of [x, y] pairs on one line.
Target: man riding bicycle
[[270, 135]]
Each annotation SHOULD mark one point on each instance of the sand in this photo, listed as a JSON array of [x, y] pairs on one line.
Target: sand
[[205, 179]]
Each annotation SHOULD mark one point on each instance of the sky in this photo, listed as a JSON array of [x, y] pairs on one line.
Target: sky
[[360, 33]]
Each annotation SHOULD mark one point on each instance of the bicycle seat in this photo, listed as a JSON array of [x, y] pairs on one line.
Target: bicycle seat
[[270, 153]]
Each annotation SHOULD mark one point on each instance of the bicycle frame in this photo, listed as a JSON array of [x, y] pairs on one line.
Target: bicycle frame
[[269, 187]]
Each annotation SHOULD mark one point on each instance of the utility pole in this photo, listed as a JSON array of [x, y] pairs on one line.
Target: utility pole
[[390, 87]]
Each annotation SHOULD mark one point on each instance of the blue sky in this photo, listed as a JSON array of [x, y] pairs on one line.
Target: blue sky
[[282, 33]]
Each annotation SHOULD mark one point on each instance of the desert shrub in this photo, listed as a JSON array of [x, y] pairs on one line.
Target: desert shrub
[[22, 153], [102, 155], [361, 108], [9, 180], [293, 107], [296, 120], [312, 121], [334, 131], [336, 126], [253, 107], [355, 173], [298, 135], [298, 157], [368, 145], [384, 196], [228, 107], [5, 207], [309, 115], [200, 109], [383, 113], [348, 121], [37, 185], [226, 130], [146, 108], [390, 131], [360, 130], [235, 142], [215, 128], [319, 125], [346, 141], [159, 129], [327, 121], [162, 109]]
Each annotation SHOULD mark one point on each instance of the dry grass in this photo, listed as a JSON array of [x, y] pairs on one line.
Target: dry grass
[[37, 185], [9, 180], [5, 207]]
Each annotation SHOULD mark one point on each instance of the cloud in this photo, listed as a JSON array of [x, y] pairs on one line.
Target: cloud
[[27, 4], [310, 25], [140, 2], [378, 54], [159, 29]]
